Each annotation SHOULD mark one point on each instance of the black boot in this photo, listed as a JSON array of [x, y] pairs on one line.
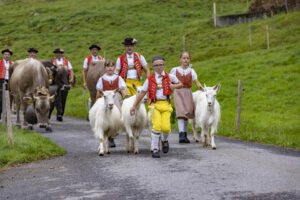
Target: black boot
[[181, 137], [155, 154], [186, 139], [112, 143]]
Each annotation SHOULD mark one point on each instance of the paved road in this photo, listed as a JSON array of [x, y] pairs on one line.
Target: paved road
[[236, 170]]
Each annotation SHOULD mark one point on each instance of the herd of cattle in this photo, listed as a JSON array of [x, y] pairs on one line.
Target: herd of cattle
[[35, 86]]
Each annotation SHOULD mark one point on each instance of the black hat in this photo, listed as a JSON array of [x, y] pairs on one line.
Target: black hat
[[129, 41], [7, 50], [58, 50], [94, 46], [155, 58], [32, 50]]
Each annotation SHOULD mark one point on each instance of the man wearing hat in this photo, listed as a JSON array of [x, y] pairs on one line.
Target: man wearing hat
[[130, 65], [32, 52], [5, 64], [62, 96], [94, 57]]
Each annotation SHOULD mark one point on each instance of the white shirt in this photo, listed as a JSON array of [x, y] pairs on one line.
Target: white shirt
[[61, 62], [159, 92], [6, 64], [121, 83], [94, 58], [184, 72], [131, 73]]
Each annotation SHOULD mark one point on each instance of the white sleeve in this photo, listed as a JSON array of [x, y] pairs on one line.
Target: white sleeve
[[173, 78], [194, 75], [69, 65], [143, 61], [85, 66], [118, 64], [145, 86], [122, 84], [99, 85], [173, 71]]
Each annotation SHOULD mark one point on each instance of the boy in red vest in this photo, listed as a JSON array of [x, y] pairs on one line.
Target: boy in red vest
[[159, 86], [60, 101], [111, 81], [32, 52], [94, 57], [5, 64], [130, 66]]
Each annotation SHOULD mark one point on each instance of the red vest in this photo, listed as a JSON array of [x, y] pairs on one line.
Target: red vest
[[124, 65], [107, 85], [152, 87], [90, 58], [3, 69], [65, 61], [185, 80]]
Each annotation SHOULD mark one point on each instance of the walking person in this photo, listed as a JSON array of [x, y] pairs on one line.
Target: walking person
[[159, 86], [130, 66], [183, 97], [94, 49], [111, 81], [5, 64], [60, 101]]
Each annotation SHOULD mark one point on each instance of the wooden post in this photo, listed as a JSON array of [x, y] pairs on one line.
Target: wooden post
[[239, 106], [9, 126], [268, 42], [183, 43], [84, 98], [3, 114], [286, 6], [250, 39], [215, 14], [272, 14]]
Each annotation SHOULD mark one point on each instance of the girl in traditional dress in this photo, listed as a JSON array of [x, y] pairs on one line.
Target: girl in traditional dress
[[183, 97]]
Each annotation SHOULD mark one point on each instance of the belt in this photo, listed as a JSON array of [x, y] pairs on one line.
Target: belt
[[131, 67]]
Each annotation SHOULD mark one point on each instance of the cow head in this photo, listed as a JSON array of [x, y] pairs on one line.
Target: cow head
[[211, 93], [41, 102], [109, 98], [62, 77]]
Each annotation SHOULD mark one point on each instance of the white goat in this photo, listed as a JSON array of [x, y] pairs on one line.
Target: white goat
[[207, 114], [134, 124], [105, 120]]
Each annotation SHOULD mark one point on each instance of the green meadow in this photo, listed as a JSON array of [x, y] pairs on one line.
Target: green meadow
[[270, 77], [28, 146]]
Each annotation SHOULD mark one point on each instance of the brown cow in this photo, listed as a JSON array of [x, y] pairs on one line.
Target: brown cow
[[29, 85], [95, 71]]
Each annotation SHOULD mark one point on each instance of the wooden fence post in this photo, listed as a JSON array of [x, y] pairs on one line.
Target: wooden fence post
[[3, 114], [250, 38], [286, 6], [9, 125], [239, 106], [215, 15], [183, 43], [268, 41]]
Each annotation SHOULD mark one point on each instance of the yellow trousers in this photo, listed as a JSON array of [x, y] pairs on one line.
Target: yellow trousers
[[130, 89], [161, 117]]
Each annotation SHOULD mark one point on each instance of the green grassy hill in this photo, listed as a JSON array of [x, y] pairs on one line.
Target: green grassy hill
[[270, 78]]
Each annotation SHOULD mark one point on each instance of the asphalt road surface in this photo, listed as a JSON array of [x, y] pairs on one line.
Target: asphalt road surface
[[236, 170]]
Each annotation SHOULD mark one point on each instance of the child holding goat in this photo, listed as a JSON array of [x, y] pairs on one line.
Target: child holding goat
[[159, 86]]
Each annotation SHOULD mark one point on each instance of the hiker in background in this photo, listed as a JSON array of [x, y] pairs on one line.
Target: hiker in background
[[32, 52]]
